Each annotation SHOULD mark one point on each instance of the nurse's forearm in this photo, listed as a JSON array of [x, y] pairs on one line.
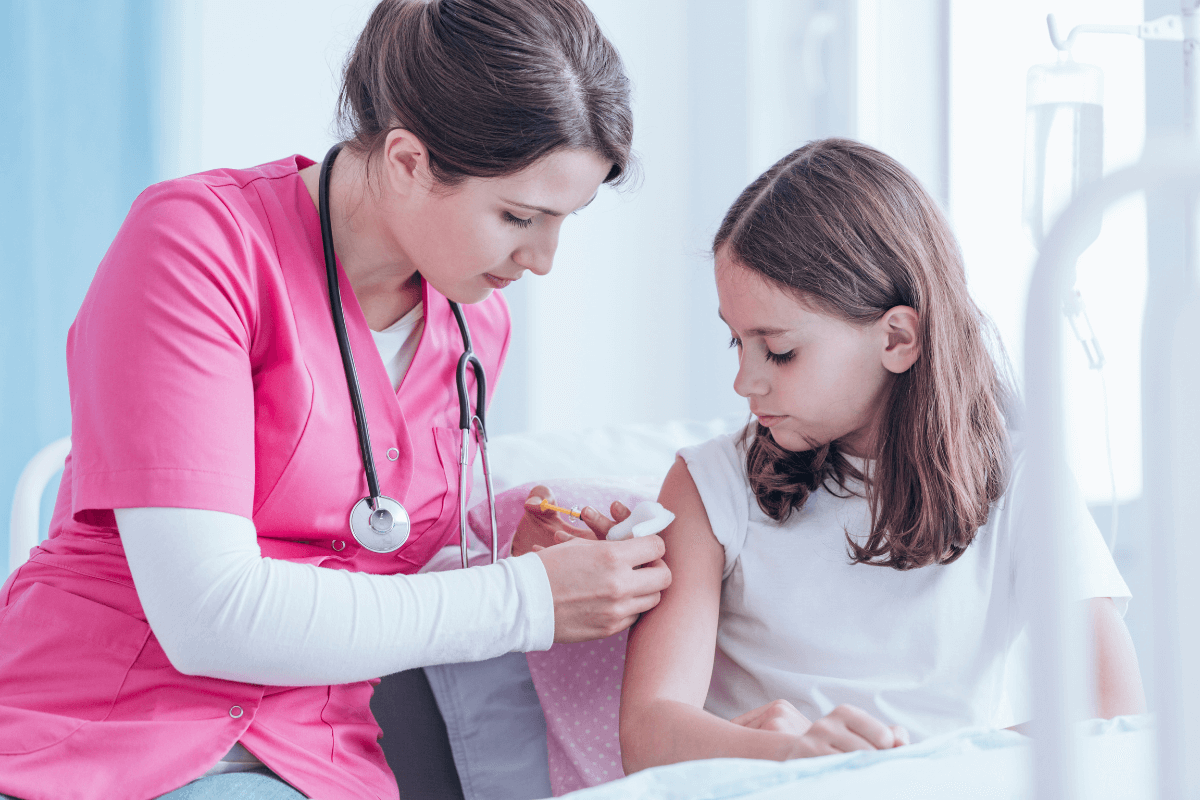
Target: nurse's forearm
[[220, 609]]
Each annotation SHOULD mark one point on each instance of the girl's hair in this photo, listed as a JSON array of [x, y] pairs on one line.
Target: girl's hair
[[489, 86], [850, 232]]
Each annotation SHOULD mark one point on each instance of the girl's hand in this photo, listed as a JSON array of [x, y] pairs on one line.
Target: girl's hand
[[778, 715], [844, 730], [537, 529]]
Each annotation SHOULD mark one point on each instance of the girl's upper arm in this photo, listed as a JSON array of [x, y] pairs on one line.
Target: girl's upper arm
[[670, 651], [1118, 678]]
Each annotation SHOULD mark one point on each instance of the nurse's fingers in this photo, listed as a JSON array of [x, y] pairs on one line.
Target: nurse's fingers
[[533, 502], [561, 536], [599, 524], [651, 578], [901, 734], [640, 549], [597, 592]]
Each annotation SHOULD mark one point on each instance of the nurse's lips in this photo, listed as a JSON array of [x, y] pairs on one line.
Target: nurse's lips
[[497, 281]]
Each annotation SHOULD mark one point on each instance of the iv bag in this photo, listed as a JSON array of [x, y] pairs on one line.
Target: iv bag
[[1064, 141]]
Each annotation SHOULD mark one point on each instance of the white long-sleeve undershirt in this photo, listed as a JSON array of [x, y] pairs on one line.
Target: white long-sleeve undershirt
[[222, 610]]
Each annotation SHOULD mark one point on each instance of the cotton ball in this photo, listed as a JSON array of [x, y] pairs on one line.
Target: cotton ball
[[647, 519]]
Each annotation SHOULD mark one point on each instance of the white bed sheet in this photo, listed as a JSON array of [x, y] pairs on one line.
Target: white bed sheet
[[1116, 762]]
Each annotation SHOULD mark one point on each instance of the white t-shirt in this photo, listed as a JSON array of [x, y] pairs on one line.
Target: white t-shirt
[[397, 344], [923, 648]]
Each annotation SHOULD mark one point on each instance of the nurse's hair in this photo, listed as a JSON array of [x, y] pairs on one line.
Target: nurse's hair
[[851, 233], [489, 86]]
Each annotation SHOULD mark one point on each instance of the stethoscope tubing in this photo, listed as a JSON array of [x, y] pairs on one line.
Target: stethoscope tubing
[[466, 420], [339, 325]]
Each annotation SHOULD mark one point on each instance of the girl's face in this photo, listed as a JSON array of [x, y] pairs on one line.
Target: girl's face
[[810, 377], [486, 232]]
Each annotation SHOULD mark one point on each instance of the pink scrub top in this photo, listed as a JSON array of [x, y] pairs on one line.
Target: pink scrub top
[[204, 373]]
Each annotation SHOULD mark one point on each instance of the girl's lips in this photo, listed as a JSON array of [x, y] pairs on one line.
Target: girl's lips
[[767, 420], [496, 281]]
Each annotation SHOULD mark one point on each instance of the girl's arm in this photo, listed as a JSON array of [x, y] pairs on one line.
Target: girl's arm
[[669, 661], [1118, 679]]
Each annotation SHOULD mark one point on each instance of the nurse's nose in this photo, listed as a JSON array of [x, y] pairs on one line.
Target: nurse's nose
[[537, 254]]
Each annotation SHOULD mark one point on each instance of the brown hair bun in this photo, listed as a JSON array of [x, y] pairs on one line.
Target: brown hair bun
[[489, 86]]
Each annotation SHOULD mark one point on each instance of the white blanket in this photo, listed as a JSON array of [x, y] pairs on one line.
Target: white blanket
[[1116, 761]]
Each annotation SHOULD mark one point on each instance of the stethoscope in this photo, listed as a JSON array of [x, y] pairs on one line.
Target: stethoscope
[[379, 522]]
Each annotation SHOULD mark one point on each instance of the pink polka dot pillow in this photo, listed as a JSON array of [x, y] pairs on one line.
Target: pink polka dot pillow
[[578, 684]]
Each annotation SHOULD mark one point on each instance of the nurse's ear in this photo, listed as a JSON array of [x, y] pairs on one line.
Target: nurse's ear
[[406, 163]]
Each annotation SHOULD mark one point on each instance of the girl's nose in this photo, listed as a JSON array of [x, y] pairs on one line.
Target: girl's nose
[[749, 381]]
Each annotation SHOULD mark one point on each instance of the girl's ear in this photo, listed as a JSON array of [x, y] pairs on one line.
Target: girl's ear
[[901, 326]]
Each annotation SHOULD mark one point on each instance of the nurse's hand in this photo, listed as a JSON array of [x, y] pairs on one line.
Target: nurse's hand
[[537, 528], [600, 588]]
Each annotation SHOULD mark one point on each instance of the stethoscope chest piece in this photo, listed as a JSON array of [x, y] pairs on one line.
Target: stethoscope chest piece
[[383, 529]]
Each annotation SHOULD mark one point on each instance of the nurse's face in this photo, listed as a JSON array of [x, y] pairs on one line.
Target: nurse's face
[[485, 233]]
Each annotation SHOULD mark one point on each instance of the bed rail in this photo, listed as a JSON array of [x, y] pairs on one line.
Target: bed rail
[[1171, 457]]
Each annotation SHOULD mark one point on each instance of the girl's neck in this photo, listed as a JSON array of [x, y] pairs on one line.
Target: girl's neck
[[385, 284]]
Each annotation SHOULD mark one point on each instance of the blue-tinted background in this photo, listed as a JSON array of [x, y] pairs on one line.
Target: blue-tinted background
[[78, 143]]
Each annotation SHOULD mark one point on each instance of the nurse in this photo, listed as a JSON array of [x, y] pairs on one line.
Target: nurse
[[200, 607]]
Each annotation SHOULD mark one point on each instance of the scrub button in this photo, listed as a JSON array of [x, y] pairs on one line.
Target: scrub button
[[235, 712], [339, 545], [393, 454]]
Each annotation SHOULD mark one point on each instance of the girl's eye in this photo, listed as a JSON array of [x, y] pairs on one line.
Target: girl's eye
[[781, 358], [734, 341], [520, 223]]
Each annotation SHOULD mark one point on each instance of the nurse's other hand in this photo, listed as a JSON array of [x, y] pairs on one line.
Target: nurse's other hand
[[537, 528], [778, 715], [601, 524], [845, 729], [598, 587]]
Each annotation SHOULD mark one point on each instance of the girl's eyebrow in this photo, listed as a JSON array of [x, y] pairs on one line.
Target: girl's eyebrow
[[757, 331]]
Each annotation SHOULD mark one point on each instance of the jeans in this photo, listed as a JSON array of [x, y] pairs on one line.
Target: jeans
[[256, 785]]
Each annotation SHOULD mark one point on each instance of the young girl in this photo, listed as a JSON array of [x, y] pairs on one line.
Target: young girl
[[857, 556]]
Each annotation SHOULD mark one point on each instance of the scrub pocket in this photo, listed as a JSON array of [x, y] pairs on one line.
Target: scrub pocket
[[62, 663], [449, 446]]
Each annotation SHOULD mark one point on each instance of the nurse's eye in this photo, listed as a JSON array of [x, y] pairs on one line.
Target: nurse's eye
[[780, 358], [735, 342], [520, 223]]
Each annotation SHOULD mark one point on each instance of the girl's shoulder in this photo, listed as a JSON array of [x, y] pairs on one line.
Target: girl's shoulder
[[718, 468], [723, 457]]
